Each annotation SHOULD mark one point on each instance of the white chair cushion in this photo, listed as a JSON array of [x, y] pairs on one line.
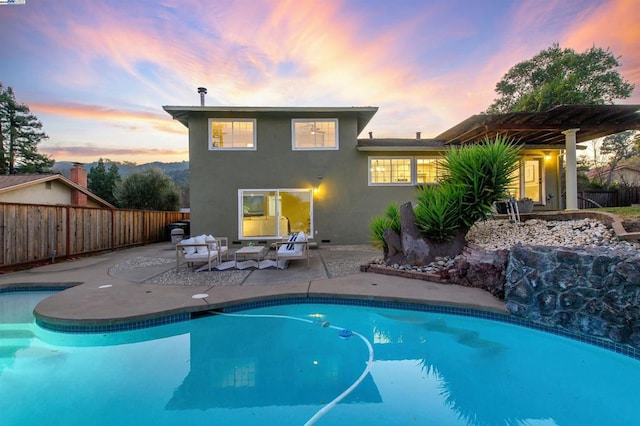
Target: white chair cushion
[[283, 249], [189, 250], [301, 237], [201, 240]]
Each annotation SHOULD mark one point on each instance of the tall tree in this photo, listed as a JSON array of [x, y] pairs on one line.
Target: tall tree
[[617, 147], [557, 76], [103, 182], [149, 189], [20, 134]]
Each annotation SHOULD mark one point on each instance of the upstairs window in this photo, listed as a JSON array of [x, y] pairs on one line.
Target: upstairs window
[[314, 134], [232, 134]]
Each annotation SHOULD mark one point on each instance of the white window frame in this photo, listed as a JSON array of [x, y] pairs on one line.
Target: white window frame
[[295, 121], [276, 212], [232, 120], [412, 170], [438, 169]]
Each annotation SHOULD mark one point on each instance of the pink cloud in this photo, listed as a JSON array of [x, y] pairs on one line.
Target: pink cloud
[[92, 153], [615, 25], [75, 111]]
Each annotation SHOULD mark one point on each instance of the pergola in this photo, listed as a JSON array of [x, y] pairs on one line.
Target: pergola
[[561, 127]]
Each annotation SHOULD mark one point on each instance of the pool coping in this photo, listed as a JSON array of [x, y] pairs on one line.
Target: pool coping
[[95, 300], [188, 313]]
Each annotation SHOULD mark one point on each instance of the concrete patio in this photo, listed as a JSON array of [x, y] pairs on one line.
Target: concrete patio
[[141, 284]]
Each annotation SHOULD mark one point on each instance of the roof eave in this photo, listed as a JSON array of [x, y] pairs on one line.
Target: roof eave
[[182, 113]]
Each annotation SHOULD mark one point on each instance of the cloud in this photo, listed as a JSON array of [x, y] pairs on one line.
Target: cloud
[[76, 111], [92, 153], [621, 20], [426, 67]]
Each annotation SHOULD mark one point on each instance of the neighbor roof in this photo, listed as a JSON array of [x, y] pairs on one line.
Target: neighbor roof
[[602, 170], [10, 183], [182, 113], [545, 128]]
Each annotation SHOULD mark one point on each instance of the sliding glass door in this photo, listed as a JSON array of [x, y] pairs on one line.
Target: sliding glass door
[[274, 213]]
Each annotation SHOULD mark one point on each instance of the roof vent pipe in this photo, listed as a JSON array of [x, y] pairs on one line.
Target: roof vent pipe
[[418, 135], [370, 135], [202, 91]]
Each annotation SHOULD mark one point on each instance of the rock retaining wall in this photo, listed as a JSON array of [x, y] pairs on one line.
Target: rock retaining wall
[[593, 291]]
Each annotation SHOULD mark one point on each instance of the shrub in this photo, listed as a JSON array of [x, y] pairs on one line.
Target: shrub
[[379, 224], [483, 171], [438, 211], [475, 176]]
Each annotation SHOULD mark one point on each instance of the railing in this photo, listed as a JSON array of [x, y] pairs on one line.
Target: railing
[[35, 233]]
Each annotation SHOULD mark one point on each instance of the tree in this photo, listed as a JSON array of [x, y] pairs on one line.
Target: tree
[[618, 147], [20, 134], [103, 182], [558, 76], [149, 189]]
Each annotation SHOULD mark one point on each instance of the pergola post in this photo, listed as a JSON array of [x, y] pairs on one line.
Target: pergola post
[[571, 174]]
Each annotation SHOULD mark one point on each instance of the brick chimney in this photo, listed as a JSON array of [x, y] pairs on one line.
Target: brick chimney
[[78, 176]]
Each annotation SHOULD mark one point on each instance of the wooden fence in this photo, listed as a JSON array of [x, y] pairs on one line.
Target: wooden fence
[[620, 197], [35, 233]]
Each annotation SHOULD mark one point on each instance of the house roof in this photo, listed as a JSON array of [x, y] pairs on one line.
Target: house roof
[[604, 170], [394, 144], [545, 128], [182, 113], [10, 183]]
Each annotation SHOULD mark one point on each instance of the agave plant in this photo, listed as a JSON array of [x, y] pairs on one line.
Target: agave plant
[[475, 176], [483, 172], [438, 211]]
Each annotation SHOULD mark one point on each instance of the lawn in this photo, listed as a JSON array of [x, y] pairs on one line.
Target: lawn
[[623, 212], [630, 216]]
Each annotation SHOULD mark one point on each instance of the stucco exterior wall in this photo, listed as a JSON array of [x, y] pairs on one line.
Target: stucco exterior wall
[[344, 203], [343, 206]]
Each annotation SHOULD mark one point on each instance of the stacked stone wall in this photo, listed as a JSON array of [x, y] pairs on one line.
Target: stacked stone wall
[[593, 291]]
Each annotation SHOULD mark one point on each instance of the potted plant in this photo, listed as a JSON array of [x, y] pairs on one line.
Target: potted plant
[[525, 205]]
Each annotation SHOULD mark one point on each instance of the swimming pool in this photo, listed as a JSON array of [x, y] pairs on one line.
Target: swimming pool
[[285, 364]]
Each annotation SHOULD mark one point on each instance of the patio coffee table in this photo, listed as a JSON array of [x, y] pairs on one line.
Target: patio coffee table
[[256, 253]]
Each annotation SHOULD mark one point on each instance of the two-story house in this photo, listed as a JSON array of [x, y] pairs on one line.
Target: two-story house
[[260, 173]]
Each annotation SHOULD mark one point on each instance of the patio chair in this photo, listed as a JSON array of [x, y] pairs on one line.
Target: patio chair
[[203, 248], [294, 248]]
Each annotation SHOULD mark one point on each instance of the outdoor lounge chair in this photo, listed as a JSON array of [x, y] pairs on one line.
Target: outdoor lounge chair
[[203, 248], [293, 248]]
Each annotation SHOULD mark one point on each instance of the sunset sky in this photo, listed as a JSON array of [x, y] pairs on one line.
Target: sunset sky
[[97, 73]]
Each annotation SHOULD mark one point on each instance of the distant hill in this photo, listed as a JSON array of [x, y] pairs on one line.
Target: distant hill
[[170, 169]]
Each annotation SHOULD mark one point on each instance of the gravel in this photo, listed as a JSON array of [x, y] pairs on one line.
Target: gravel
[[503, 234], [337, 261], [345, 260]]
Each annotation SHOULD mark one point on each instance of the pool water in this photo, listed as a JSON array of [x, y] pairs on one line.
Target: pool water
[[285, 365]]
